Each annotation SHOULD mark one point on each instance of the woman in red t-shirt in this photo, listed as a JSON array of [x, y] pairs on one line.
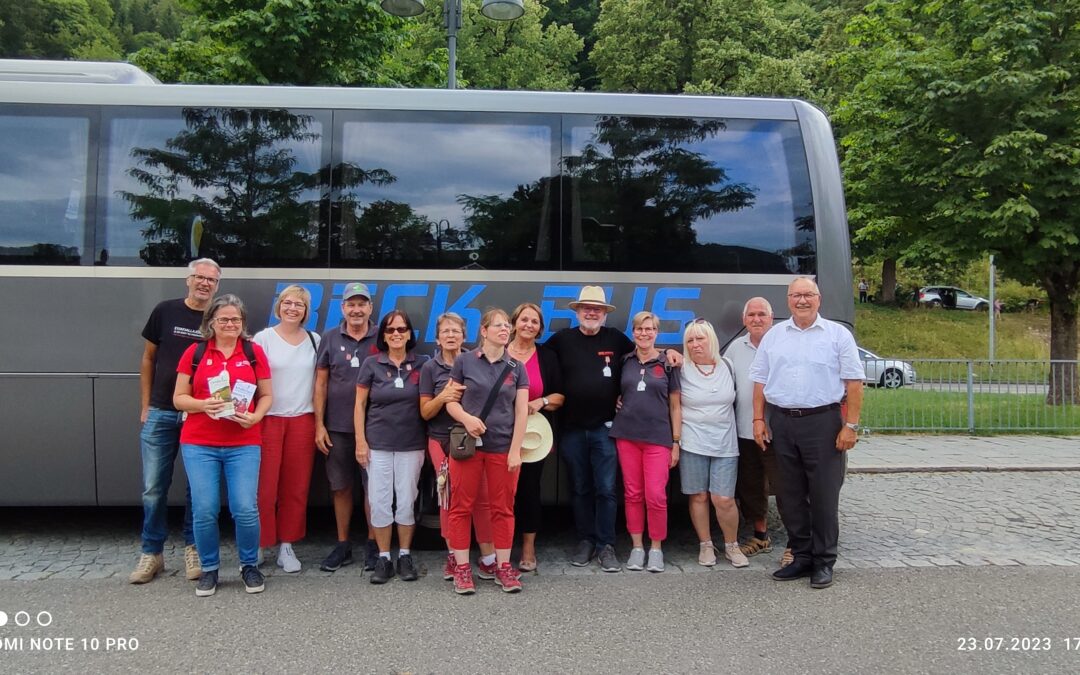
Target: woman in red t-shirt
[[214, 441]]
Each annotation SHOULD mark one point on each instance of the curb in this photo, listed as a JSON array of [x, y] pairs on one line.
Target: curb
[[959, 469]]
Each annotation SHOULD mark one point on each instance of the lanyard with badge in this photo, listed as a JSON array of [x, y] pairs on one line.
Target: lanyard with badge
[[399, 382], [641, 384], [607, 362], [354, 361]]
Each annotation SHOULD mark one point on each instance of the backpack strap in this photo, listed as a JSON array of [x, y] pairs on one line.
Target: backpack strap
[[731, 369], [200, 352], [314, 347]]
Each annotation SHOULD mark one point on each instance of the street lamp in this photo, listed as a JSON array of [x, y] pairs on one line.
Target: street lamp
[[499, 10]]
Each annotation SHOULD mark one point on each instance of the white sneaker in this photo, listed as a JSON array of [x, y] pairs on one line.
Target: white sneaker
[[287, 560], [656, 560], [706, 556], [735, 555], [636, 561]]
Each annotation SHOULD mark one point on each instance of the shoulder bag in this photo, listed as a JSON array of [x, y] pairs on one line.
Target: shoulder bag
[[462, 444]]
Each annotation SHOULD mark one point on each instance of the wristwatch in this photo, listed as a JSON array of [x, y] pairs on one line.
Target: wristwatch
[[854, 426], [545, 401]]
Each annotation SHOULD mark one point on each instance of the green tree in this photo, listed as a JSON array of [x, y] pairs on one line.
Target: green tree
[[300, 42], [700, 46], [58, 29], [968, 113], [528, 53]]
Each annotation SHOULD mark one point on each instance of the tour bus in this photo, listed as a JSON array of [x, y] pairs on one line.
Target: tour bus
[[110, 183]]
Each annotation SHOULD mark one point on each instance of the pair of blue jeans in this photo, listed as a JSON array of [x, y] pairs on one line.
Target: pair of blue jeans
[[159, 442], [592, 461], [205, 465]]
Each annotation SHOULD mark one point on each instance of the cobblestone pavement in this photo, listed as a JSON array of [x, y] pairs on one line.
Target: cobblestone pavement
[[887, 521]]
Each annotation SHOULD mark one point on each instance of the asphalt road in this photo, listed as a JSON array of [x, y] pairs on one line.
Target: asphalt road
[[881, 620]]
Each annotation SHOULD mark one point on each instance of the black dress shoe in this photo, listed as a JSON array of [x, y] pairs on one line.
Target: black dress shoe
[[796, 570], [822, 577]]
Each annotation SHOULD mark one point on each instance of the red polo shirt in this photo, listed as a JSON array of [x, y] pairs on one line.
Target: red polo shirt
[[199, 428]]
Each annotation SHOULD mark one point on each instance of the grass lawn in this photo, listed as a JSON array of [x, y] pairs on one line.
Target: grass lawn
[[950, 334], [947, 411]]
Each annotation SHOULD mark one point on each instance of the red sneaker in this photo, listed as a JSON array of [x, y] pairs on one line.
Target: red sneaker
[[508, 577], [486, 572], [451, 565], [463, 583]]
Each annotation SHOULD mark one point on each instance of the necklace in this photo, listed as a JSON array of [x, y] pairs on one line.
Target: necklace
[[708, 374]]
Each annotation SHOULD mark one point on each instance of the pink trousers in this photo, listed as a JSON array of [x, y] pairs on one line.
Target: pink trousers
[[645, 470]]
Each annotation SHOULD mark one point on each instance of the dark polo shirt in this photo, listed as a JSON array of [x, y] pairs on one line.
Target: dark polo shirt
[[478, 375], [590, 395], [343, 356], [433, 378], [393, 422], [645, 416]]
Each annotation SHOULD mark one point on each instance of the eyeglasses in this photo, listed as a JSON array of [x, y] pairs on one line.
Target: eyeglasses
[[591, 309], [644, 329], [802, 296], [293, 303], [226, 320], [451, 331], [401, 330], [499, 325], [204, 279]]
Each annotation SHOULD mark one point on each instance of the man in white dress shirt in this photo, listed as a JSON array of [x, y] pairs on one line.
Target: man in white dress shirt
[[804, 367]]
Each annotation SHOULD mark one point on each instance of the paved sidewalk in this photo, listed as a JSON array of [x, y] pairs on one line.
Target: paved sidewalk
[[886, 453]]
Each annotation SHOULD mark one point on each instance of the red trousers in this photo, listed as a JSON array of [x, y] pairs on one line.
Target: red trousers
[[481, 512], [288, 453], [466, 478]]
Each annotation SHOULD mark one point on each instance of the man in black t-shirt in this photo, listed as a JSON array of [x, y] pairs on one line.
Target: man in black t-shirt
[[172, 327], [590, 356]]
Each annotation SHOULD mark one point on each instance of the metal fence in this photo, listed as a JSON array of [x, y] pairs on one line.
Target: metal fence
[[971, 396]]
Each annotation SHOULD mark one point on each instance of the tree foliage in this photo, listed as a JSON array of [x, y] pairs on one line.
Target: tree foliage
[[700, 46], [58, 29], [964, 133], [299, 42]]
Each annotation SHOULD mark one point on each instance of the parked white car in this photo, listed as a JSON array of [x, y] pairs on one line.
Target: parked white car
[[888, 373], [931, 296]]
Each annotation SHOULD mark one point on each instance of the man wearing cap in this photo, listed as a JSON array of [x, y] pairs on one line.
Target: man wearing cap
[[341, 352], [172, 327], [590, 356], [756, 468], [803, 368]]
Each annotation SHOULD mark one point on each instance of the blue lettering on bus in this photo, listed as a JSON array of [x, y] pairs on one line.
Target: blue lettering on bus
[[553, 302]]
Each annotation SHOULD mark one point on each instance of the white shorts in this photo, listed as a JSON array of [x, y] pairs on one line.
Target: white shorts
[[393, 477]]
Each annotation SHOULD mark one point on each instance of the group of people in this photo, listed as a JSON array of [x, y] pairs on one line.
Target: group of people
[[254, 410]]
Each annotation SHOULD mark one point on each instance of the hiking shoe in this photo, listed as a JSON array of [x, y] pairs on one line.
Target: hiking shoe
[[486, 572], [608, 561], [463, 582], [451, 565], [148, 567], [787, 558], [733, 553], [508, 578], [341, 555], [384, 571], [371, 555], [406, 569], [207, 585], [584, 553], [753, 546], [254, 581], [636, 561], [656, 560], [192, 567], [706, 556], [287, 560]]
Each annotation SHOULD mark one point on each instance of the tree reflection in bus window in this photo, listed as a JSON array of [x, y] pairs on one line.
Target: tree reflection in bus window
[[43, 175], [459, 191], [244, 187], [675, 194]]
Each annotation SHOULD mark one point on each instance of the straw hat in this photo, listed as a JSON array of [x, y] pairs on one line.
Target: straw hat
[[538, 439], [592, 295]]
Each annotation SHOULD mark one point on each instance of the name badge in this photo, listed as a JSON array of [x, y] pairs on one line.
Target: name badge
[[607, 371], [355, 362], [641, 386], [399, 383]]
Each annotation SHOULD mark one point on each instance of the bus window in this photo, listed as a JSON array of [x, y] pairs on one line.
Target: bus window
[[445, 190], [688, 195], [43, 179], [245, 187]]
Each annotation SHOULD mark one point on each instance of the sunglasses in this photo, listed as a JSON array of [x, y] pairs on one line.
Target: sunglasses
[[696, 319], [399, 329]]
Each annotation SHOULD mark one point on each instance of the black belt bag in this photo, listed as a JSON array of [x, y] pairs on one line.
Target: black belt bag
[[806, 412]]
